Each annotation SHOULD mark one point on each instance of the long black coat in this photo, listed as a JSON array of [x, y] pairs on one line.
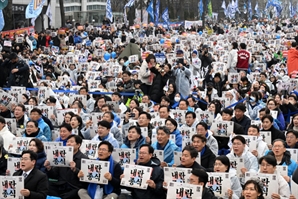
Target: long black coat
[[36, 182]]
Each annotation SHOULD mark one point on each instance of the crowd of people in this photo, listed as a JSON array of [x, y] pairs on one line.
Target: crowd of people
[[144, 77]]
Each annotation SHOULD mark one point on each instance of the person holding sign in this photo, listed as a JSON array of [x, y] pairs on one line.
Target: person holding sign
[[268, 165], [267, 123], [253, 189], [262, 147], [36, 182], [134, 139], [112, 189]]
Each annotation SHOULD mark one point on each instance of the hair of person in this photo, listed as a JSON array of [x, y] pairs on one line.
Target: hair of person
[[202, 124], [255, 127], [83, 88], [139, 109], [70, 113], [174, 122], [257, 185], [263, 73], [107, 106], [192, 151], [190, 113], [217, 105], [107, 143], [241, 107], [149, 57], [104, 124], [269, 159], [293, 96], [36, 110], [117, 94], [77, 138], [201, 174], [138, 129], [150, 148], [34, 122], [267, 111], [22, 107], [227, 111], [136, 101], [224, 160], [33, 155], [243, 45], [280, 140], [126, 72], [201, 137], [80, 120], [240, 138], [184, 100], [39, 144], [235, 45], [272, 100], [110, 114], [255, 94], [269, 117], [79, 103], [295, 133], [165, 129], [67, 126], [166, 98], [163, 106], [148, 116]]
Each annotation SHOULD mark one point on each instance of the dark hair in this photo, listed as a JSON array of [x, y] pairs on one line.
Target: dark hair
[[36, 110], [255, 127], [263, 73], [255, 94], [164, 129], [269, 159], [192, 151], [174, 122], [235, 45], [150, 56], [79, 103], [83, 88], [217, 105], [293, 96], [190, 113], [104, 124], [39, 144], [224, 160], [243, 45], [26, 96], [34, 122], [126, 72], [240, 138], [267, 111], [110, 146], [22, 107], [166, 98], [70, 113], [292, 124], [51, 100], [295, 133], [77, 138], [108, 106], [117, 93], [227, 111], [202, 124], [168, 109], [138, 129], [269, 100], [201, 137], [241, 107], [67, 126], [280, 140], [136, 101], [80, 120], [257, 187], [269, 117], [110, 114], [34, 99], [33, 155], [183, 100], [2, 120], [150, 148], [201, 174], [148, 116]]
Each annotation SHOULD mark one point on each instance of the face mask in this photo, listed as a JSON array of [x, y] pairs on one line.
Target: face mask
[[61, 94], [209, 88], [177, 99], [80, 82], [121, 62], [252, 99], [282, 74]]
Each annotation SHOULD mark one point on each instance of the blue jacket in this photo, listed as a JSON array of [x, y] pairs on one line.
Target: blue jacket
[[77, 39], [126, 144], [168, 151], [60, 140], [39, 136], [178, 138], [281, 121], [116, 118], [45, 128], [110, 138], [41, 158], [182, 81]]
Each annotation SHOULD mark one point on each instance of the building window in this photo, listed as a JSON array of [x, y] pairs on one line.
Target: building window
[[96, 7], [72, 8], [104, 1]]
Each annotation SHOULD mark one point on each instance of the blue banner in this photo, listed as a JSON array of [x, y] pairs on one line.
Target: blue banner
[[150, 11], [2, 22], [34, 8], [201, 8], [165, 16], [109, 13], [129, 4], [157, 11]]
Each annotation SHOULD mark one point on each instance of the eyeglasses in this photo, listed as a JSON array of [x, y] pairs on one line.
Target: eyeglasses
[[266, 165], [290, 137], [143, 153], [278, 146], [25, 159], [218, 164], [102, 149]]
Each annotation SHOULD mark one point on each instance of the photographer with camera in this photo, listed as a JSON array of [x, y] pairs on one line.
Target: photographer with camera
[[205, 57], [19, 74]]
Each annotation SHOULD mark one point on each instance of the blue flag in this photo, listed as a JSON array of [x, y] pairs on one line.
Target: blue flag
[[34, 8], [2, 23], [249, 10], [201, 8], [129, 4], [109, 13], [165, 16], [150, 11], [3, 4], [157, 11]]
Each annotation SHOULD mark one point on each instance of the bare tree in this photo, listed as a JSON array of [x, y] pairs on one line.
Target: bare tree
[[62, 13]]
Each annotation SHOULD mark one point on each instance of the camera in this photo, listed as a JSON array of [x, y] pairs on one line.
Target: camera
[[132, 115]]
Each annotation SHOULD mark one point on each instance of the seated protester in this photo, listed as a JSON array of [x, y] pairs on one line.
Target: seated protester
[[164, 112], [112, 189], [5, 133], [32, 130], [253, 189], [240, 118], [223, 142], [143, 121], [190, 120], [168, 146], [165, 100], [155, 188], [273, 106], [37, 147], [192, 104], [253, 105], [103, 133], [215, 107], [268, 165], [222, 165], [286, 106], [21, 117], [292, 139], [108, 108], [231, 94], [172, 125], [51, 101], [68, 183], [282, 156], [89, 107], [116, 97], [267, 124], [294, 123], [76, 123], [184, 105], [146, 99], [266, 111], [202, 129], [79, 106], [3, 157], [207, 156], [35, 181], [65, 132], [99, 103], [188, 158], [109, 117], [36, 115], [134, 139], [262, 146], [200, 177], [240, 150]]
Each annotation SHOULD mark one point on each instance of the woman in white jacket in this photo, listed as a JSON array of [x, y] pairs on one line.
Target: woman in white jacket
[[262, 146], [268, 165], [145, 75], [5, 133], [232, 59]]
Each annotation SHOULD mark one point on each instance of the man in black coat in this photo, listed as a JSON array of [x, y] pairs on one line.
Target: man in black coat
[[240, 118], [36, 182], [19, 74], [68, 183], [3, 159]]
